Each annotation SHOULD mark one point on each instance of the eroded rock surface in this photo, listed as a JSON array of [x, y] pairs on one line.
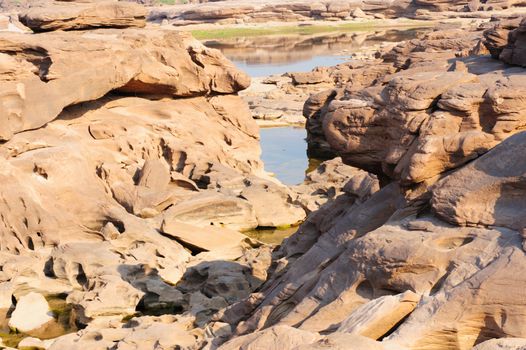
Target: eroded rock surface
[[124, 182], [423, 260], [253, 11], [74, 16], [40, 71], [426, 119], [124, 156]]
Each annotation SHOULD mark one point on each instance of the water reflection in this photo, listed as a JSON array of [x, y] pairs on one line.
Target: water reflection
[[284, 152], [266, 55], [271, 236]]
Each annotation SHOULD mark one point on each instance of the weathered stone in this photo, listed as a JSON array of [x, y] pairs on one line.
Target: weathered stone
[[205, 238], [504, 344], [33, 99], [515, 50], [379, 316], [34, 343], [275, 338], [272, 205], [488, 190], [330, 180], [73, 16], [214, 210]]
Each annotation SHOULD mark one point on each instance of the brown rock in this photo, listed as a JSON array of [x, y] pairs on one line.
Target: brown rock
[[515, 51], [202, 238], [215, 210], [380, 315], [75, 16], [30, 100], [496, 38], [487, 191], [275, 338]]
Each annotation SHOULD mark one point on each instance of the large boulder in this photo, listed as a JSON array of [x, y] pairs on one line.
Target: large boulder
[[35, 93], [515, 51], [496, 37], [438, 112], [78, 15], [488, 191], [275, 338], [214, 210], [31, 313]]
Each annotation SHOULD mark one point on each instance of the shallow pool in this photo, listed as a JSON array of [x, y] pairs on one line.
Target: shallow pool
[[284, 152]]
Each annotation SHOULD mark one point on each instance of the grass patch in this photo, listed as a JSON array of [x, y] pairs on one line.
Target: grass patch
[[232, 32]]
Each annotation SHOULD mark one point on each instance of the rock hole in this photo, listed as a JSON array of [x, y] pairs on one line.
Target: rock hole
[[81, 276], [48, 269], [365, 290], [151, 306], [40, 172], [450, 243], [394, 328], [119, 225], [30, 244]]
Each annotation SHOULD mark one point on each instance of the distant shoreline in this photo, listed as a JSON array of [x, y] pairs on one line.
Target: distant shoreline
[[218, 31]]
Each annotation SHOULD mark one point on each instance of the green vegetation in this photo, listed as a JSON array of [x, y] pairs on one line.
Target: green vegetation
[[231, 32], [11, 339], [62, 312]]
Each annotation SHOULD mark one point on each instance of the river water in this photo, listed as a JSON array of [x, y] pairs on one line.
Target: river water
[[284, 149], [261, 56]]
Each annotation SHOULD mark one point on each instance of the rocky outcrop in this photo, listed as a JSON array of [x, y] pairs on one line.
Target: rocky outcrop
[[487, 191], [128, 165], [496, 37], [505, 344], [31, 313], [35, 93], [422, 255], [330, 180], [123, 183], [515, 50], [419, 106], [74, 16], [252, 11], [422, 260]]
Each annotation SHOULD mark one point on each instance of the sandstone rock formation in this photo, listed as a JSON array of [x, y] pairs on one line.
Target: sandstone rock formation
[[418, 106], [515, 50], [71, 16], [35, 93], [129, 163], [421, 262], [253, 11], [117, 147]]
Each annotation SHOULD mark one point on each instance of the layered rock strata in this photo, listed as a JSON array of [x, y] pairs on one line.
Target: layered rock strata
[[129, 166], [251, 11], [74, 16], [428, 258]]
